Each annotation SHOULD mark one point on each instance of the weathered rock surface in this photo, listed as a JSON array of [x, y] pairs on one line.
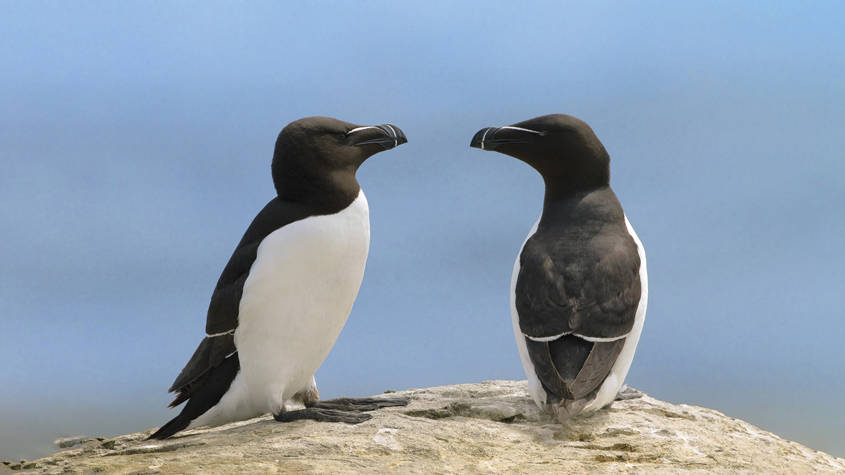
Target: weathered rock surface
[[487, 427]]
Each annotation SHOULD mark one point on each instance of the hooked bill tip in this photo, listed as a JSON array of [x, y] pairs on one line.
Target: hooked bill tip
[[480, 137]]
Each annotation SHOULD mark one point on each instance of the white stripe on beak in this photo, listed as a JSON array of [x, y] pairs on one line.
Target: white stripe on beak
[[484, 137], [395, 135], [358, 129], [521, 129]]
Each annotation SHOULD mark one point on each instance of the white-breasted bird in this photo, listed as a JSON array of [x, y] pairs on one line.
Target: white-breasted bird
[[286, 292]]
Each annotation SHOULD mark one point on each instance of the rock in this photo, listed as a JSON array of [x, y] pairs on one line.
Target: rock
[[67, 442], [485, 427]]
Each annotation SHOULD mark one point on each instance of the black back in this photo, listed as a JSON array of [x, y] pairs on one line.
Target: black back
[[579, 273]]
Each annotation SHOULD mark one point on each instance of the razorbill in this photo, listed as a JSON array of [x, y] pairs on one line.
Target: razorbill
[[579, 286], [289, 286]]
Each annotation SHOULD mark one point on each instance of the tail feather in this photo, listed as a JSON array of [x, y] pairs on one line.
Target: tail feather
[[175, 425], [181, 396], [202, 396]]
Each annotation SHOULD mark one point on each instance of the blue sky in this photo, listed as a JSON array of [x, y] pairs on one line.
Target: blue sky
[[136, 139]]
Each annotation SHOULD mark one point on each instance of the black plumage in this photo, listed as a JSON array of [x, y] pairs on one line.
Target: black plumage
[[578, 287], [580, 271]]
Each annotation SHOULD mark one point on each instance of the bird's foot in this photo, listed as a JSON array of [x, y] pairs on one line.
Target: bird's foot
[[322, 415], [359, 404], [344, 409], [627, 392]]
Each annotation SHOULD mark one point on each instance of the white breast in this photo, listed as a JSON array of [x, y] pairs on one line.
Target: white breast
[[610, 387], [295, 302]]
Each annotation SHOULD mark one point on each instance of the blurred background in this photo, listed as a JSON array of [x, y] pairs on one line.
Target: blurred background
[[136, 138]]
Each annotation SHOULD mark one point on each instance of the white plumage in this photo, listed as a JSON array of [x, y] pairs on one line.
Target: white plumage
[[296, 299]]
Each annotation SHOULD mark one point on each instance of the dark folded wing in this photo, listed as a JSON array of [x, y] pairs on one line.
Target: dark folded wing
[[222, 318], [590, 288], [576, 302], [210, 353], [225, 300]]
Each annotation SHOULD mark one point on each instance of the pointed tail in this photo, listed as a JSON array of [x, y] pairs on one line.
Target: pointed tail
[[204, 395]]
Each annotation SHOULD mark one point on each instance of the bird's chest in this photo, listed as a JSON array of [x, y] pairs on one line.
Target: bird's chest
[[308, 270]]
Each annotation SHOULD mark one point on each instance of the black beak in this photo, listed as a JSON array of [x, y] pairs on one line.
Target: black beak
[[386, 135], [481, 140], [489, 138]]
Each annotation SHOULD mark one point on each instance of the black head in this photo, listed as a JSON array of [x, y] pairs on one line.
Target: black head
[[564, 149], [318, 156]]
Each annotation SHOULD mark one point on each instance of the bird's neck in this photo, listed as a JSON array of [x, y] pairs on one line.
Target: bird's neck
[[562, 205], [326, 194]]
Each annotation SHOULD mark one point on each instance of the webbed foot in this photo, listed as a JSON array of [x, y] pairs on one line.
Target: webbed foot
[[359, 404], [322, 415]]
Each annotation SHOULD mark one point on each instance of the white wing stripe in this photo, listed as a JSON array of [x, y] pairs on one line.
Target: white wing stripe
[[212, 335], [594, 339], [544, 339]]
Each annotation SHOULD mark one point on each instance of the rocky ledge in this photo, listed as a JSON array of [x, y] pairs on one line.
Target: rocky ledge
[[467, 428]]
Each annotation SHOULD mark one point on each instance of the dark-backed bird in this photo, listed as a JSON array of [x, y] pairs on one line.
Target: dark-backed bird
[[579, 287], [288, 288]]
